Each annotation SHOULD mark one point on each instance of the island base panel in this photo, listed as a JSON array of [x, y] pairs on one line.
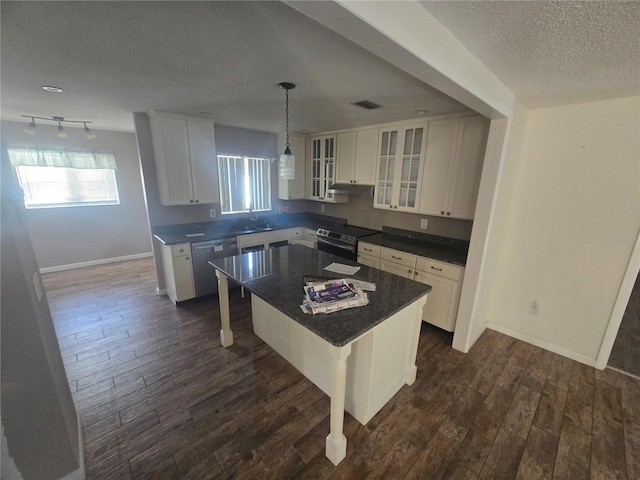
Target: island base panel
[[381, 361]]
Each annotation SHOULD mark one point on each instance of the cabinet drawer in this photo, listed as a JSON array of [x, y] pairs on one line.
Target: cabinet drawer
[[368, 260], [442, 269], [395, 256], [369, 249], [180, 250]]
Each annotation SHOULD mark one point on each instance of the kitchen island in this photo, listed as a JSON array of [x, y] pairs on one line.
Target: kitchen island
[[360, 357]]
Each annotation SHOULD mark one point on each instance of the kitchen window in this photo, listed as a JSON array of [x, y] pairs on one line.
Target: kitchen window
[[51, 177], [245, 184]]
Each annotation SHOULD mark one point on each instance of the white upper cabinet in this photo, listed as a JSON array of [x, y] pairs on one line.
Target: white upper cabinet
[[185, 158], [453, 166], [357, 157], [293, 189], [321, 161], [400, 160]]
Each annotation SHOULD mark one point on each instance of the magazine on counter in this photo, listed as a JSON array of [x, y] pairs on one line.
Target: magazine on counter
[[331, 296]]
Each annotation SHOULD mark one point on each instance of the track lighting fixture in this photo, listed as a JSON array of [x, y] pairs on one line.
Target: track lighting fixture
[[61, 133]]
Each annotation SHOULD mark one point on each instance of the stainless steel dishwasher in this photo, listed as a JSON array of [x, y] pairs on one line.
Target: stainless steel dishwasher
[[204, 274]]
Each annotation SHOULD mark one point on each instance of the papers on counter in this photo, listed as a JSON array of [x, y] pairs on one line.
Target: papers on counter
[[342, 268], [327, 297]]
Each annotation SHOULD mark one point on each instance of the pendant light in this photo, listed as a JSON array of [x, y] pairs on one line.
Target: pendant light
[[287, 159]]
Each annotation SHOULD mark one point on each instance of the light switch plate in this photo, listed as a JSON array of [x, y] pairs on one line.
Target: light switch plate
[[423, 223], [212, 213]]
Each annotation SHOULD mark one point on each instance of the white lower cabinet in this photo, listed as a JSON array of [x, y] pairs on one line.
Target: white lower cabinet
[[441, 309], [369, 254], [266, 240], [396, 262], [178, 272]]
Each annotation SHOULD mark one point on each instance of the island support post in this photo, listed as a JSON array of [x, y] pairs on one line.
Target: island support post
[[336, 444], [226, 335]]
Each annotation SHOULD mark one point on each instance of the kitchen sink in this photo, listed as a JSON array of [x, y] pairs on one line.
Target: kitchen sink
[[247, 228]]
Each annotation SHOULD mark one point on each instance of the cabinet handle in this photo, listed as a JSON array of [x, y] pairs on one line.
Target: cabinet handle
[[397, 258], [395, 207], [197, 201], [436, 269], [190, 201], [367, 250], [442, 212], [410, 271], [187, 258], [448, 213]]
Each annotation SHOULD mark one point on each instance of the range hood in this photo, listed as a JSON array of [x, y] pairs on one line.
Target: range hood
[[351, 189]]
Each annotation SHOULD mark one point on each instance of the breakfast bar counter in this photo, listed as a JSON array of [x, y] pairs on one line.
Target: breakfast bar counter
[[360, 357]]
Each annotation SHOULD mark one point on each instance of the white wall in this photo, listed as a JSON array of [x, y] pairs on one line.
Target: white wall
[[572, 221], [69, 236]]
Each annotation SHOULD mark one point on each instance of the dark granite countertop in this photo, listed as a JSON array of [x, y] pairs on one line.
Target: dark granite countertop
[[276, 276], [432, 246], [215, 230]]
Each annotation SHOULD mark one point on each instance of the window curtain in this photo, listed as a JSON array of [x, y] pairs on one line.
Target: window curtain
[[55, 157]]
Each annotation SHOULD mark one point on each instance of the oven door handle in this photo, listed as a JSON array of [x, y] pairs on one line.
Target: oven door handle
[[337, 245]]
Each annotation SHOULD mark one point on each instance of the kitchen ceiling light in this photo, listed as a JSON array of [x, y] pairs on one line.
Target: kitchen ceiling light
[[52, 89], [421, 112], [287, 159], [61, 133]]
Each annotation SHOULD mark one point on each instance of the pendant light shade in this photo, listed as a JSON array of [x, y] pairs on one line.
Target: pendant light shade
[[287, 159]]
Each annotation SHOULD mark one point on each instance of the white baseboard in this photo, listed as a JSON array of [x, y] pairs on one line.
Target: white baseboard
[[542, 344], [104, 261]]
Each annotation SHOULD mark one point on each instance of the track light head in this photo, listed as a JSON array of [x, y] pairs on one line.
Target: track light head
[[31, 128], [88, 133]]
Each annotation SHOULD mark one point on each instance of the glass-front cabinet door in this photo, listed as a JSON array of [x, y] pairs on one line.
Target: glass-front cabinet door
[[400, 162], [329, 164], [322, 163], [386, 167]]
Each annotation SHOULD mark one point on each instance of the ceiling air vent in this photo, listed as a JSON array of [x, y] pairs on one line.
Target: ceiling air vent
[[367, 104]]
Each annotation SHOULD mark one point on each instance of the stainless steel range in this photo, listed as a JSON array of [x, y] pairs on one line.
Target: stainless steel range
[[342, 240]]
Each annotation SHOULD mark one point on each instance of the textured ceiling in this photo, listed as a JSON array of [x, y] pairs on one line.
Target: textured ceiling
[[551, 53], [226, 58]]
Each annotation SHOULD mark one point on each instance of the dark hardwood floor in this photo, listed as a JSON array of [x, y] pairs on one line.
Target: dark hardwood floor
[[161, 398]]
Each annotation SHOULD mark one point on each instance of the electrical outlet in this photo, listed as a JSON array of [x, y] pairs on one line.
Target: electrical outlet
[[212, 213], [423, 223], [321, 208], [535, 308]]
